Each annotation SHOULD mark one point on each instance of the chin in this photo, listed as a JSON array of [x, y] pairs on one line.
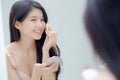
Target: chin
[[37, 38]]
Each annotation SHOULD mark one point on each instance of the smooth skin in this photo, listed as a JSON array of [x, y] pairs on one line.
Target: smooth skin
[[24, 51]]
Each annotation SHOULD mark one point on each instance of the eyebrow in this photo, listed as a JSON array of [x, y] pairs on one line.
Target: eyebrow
[[35, 17]]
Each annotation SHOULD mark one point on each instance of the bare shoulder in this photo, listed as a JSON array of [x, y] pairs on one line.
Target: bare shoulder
[[11, 72], [105, 74], [11, 46], [9, 53]]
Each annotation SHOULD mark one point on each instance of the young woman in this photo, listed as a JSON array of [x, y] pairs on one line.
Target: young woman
[[102, 21], [33, 42]]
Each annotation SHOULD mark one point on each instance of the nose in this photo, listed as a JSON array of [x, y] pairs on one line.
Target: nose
[[39, 24]]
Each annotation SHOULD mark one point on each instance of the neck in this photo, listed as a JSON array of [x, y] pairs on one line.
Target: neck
[[27, 45]]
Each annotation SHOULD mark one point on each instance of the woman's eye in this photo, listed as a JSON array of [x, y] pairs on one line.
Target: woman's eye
[[33, 20], [42, 20]]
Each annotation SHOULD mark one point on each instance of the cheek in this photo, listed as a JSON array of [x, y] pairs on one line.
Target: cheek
[[28, 28], [44, 25]]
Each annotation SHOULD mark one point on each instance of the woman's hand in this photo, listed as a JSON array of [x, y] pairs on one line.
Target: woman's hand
[[38, 71], [52, 64], [51, 38], [39, 67]]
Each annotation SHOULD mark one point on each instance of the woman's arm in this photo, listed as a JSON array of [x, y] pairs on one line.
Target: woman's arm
[[37, 71], [49, 71], [45, 71], [50, 41]]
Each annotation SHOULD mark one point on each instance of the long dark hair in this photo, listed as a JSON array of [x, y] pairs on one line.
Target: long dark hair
[[19, 12], [102, 21]]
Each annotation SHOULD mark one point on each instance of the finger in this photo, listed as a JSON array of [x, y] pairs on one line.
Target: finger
[[53, 67], [48, 27], [53, 59], [48, 32], [52, 37], [55, 37], [38, 65]]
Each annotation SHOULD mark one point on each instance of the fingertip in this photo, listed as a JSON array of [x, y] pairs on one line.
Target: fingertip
[[49, 27], [44, 64], [55, 33]]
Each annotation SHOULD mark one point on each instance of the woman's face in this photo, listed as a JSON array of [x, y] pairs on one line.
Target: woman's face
[[33, 26]]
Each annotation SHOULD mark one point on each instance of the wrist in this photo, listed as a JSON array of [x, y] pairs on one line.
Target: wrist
[[36, 73], [44, 49]]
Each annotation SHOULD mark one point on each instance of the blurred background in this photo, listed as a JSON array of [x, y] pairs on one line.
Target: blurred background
[[3, 70], [66, 18]]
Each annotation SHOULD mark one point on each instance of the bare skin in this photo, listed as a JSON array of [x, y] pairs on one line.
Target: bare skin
[[24, 51]]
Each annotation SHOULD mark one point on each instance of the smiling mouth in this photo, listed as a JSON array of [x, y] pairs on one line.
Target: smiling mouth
[[38, 32]]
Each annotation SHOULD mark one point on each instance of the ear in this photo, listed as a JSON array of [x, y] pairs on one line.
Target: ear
[[17, 25]]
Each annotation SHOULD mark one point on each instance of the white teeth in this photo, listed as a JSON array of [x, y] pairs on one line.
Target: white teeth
[[37, 31]]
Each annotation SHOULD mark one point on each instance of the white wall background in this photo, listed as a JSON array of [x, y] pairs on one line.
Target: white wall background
[[3, 72], [66, 17]]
